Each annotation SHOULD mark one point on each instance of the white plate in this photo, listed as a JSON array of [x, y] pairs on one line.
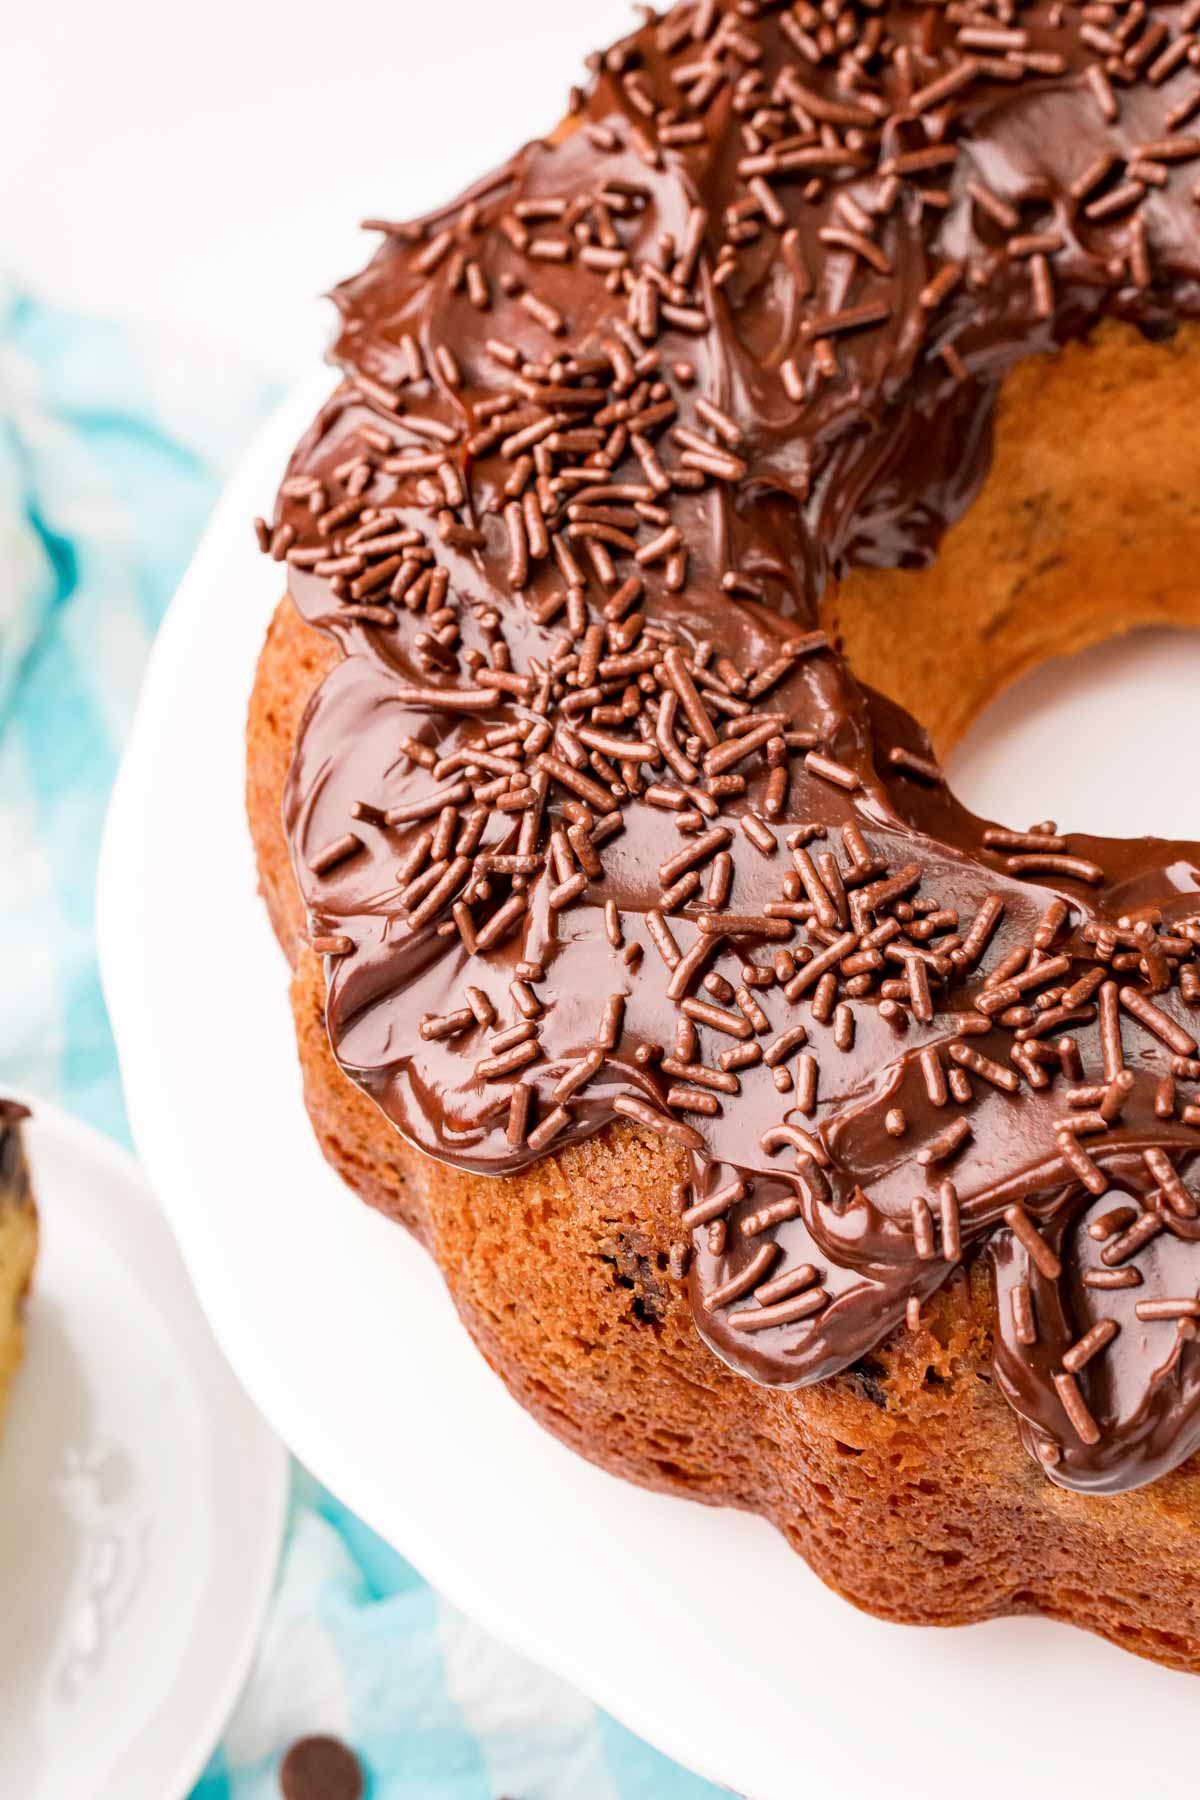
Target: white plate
[[142, 1499], [343, 1333]]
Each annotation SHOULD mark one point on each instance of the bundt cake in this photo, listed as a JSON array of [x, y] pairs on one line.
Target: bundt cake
[[787, 1136]]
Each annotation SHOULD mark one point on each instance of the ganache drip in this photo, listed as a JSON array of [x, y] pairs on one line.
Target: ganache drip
[[592, 822]]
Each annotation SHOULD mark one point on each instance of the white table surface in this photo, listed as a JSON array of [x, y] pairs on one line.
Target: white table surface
[[207, 166]]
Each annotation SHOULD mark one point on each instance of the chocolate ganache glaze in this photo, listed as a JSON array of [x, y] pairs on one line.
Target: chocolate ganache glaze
[[592, 822]]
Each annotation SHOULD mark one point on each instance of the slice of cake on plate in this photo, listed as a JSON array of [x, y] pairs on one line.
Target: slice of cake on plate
[[18, 1241]]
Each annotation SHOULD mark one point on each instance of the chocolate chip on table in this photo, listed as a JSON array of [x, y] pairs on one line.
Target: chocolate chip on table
[[321, 1768]]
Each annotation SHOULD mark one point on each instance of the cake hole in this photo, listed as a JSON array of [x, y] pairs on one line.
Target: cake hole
[[1098, 742]]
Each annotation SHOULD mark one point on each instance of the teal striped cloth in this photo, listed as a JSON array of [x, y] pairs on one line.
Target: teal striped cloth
[[112, 448]]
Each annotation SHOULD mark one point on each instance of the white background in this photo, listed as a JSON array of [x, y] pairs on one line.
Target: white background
[[208, 164]]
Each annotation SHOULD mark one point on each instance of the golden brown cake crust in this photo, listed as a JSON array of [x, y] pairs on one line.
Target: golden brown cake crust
[[1080, 532], [902, 1483]]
